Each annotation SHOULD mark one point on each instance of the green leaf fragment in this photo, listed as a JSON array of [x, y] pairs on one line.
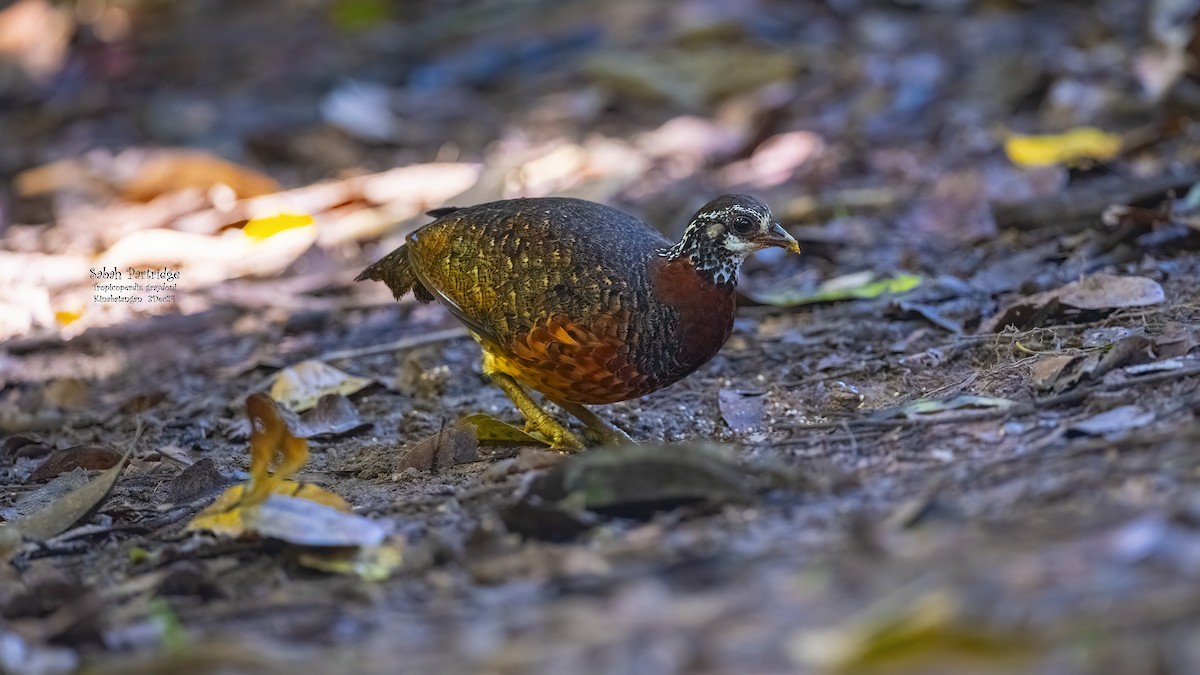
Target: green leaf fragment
[[858, 286]]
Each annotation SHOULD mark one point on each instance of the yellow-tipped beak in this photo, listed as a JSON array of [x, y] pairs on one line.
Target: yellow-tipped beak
[[776, 236]]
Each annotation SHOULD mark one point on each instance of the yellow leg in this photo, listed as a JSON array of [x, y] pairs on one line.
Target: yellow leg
[[536, 419], [604, 432]]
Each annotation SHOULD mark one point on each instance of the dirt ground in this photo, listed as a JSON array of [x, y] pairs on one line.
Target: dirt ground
[[994, 471]]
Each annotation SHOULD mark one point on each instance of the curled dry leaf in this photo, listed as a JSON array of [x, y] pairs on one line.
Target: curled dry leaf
[[270, 437], [299, 387], [1047, 371]]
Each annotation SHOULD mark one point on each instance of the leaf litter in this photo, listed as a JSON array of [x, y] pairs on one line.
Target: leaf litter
[[301, 514]]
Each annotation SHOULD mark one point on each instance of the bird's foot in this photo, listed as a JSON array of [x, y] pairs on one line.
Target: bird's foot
[[561, 438], [536, 419], [598, 431]]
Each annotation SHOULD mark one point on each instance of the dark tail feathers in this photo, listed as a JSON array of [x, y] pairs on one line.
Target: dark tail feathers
[[395, 270]]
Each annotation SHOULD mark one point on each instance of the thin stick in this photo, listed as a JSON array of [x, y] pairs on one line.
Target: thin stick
[[399, 345]]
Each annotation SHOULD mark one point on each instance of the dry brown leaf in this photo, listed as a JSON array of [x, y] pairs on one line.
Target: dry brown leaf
[[171, 170], [1046, 371], [1093, 293], [89, 457]]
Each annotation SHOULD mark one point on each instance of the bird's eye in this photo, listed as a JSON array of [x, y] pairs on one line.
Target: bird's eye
[[744, 225]]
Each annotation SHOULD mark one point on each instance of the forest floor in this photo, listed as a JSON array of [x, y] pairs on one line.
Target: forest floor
[[989, 466]]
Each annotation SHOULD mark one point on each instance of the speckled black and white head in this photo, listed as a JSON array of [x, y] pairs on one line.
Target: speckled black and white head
[[724, 232]]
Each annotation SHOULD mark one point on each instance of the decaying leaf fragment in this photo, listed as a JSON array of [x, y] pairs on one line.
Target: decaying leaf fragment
[[1061, 372]]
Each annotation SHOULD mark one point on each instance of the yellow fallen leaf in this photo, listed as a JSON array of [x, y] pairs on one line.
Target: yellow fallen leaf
[[261, 228], [166, 171], [374, 563], [929, 633], [225, 515], [67, 317], [1070, 147], [269, 437]]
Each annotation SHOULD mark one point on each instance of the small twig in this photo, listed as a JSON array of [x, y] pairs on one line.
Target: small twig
[[402, 344]]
